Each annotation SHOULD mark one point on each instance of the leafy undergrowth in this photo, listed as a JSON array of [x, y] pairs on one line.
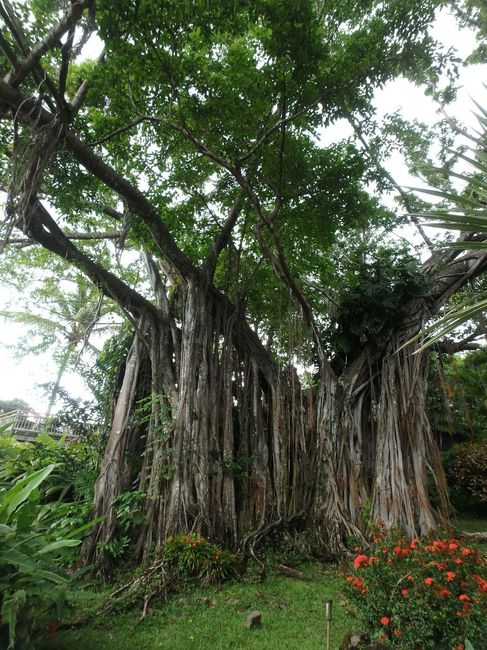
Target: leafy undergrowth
[[292, 617]]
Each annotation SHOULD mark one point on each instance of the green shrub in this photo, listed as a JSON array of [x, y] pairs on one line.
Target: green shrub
[[470, 471], [196, 557], [68, 490], [30, 554], [429, 594], [465, 467]]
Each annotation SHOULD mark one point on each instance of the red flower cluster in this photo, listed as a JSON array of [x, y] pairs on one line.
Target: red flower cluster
[[358, 584], [401, 578]]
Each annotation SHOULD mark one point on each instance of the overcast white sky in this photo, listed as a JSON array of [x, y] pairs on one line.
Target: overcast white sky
[[18, 378]]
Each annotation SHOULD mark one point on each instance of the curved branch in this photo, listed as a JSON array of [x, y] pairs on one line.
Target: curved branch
[[223, 237], [32, 59], [390, 178], [30, 112], [41, 227]]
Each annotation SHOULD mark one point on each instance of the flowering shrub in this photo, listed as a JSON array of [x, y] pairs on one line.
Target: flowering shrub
[[428, 594], [196, 557]]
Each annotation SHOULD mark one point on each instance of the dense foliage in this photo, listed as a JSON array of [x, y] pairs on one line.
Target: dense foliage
[[429, 593], [466, 467], [456, 395], [67, 490], [32, 551]]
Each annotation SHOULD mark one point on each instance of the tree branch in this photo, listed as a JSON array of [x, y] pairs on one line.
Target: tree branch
[[30, 112], [223, 237], [41, 227], [32, 59], [120, 129], [277, 125], [402, 193], [72, 236]]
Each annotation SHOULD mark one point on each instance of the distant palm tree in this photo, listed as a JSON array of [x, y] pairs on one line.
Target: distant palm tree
[[73, 317]]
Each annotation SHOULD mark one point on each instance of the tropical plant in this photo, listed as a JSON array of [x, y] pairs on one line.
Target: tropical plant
[[426, 593], [66, 493], [468, 214], [470, 471], [30, 555], [68, 314], [456, 394], [195, 556]]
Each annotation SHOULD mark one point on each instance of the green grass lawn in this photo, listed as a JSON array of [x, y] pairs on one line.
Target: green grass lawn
[[473, 524], [292, 617]]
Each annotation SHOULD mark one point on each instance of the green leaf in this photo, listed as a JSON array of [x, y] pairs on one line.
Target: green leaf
[[84, 527], [22, 491], [54, 546], [448, 196]]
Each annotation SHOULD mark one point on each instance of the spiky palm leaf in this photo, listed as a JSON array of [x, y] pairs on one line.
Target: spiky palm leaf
[[468, 215]]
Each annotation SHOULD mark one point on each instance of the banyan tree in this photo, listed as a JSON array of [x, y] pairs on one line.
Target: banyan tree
[[193, 141]]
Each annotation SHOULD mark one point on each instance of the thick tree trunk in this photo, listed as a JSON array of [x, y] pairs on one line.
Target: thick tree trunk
[[235, 448], [406, 456], [230, 445]]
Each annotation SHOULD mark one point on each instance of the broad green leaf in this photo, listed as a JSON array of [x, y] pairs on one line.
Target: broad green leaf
[[54, 546], [22, 491], [84, 527]]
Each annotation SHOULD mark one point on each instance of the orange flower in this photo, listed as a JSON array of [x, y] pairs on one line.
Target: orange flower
[[428, 581], [385, 620], [481, 583], [397, 551], [359, 560], [444, 593], [449, 576], [467, 551], [359, 585], [452, 546], [414, 543], [404, 591], [463, 597]]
